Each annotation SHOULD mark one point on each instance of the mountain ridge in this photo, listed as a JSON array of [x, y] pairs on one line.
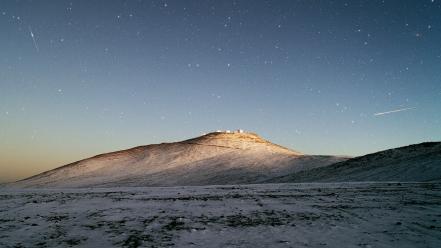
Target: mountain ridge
[[415, 162], [218, 157], [236, 158]]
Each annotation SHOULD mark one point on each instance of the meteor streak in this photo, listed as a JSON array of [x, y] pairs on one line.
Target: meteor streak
[[33, 39], [392, 111]]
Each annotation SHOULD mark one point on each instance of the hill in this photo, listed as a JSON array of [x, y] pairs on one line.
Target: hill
[[215, 158]]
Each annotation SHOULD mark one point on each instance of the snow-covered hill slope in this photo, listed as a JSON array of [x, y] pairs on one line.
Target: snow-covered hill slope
[[420, 163], [215, 158]]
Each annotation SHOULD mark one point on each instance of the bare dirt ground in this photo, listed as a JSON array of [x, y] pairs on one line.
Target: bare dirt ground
[[267, 215]]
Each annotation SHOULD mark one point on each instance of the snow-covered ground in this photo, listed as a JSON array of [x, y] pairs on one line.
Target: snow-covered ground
[[269, 215]]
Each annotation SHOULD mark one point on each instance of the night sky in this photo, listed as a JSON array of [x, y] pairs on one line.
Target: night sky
[[79, 78]]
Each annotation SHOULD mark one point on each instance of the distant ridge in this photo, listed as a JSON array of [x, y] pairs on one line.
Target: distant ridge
[[418, 163]]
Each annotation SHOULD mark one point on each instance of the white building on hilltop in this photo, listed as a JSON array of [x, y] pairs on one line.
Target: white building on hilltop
[[229, 131]]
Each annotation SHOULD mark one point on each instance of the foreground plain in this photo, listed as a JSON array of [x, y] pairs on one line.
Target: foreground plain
[[267, 215]]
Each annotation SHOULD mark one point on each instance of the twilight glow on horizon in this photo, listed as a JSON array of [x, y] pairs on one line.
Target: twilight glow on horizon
[[80, 78]]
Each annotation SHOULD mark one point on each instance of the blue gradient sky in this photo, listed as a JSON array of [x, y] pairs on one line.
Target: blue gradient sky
[[309, 75]]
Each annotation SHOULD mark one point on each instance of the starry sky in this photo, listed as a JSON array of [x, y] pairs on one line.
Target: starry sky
[[79, 78]]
